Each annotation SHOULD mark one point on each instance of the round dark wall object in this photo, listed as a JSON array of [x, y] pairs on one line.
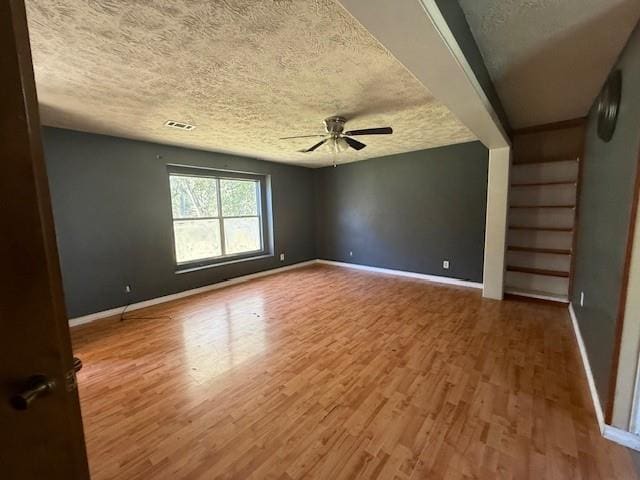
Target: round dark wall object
[[609, 105]]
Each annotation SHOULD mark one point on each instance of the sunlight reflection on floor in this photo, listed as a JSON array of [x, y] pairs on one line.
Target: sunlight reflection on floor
[[235, 332]]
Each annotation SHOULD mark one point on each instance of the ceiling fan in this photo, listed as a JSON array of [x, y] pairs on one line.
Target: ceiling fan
[[338, 139]]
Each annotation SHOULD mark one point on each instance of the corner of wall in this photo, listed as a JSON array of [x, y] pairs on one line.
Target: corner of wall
[[496, 223]]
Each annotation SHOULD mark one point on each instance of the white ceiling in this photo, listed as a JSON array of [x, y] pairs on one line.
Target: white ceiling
[[244, 72], [549, 58]]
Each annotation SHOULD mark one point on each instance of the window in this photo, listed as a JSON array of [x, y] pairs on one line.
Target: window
[[216, 216]]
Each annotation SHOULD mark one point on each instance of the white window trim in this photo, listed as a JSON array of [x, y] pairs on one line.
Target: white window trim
[[262, 211]]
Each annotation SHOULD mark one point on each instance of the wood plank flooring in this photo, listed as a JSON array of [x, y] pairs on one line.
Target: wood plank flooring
[[329, 373]]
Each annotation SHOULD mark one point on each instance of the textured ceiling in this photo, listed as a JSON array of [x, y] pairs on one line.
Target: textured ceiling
[[244, 72], [549, 58]]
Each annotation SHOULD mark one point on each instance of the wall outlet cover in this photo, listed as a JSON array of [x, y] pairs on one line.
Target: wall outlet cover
[[582, 299], [351, 254], [445, 264], [282, 257]]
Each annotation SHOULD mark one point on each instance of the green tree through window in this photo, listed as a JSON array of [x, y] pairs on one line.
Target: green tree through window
[[215, 217]]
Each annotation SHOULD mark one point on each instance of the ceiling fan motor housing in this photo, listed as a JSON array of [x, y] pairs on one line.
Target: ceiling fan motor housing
[[334, 125]]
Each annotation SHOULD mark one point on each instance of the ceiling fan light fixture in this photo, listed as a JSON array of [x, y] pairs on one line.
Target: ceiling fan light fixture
[[340, 145]]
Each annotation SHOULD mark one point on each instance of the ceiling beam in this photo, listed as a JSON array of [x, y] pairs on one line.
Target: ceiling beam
[[417, 35]]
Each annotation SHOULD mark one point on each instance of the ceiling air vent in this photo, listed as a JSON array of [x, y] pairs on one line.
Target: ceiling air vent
[[179, 125]]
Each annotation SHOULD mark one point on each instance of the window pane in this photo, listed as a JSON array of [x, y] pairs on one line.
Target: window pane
[[239, 197], [242, 235], [193, 197], [197, 239]]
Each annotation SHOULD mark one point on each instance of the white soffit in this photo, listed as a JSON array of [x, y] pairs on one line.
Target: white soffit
[[415, 32]]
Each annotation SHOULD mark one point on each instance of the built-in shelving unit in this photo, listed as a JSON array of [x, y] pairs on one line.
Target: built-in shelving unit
[[543, 210], [542, 221], [542, 213]]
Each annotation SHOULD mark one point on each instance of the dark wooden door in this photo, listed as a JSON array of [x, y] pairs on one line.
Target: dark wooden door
[[42, 438]]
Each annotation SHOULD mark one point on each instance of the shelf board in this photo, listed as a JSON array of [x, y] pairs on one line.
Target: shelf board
[[542, 206], [549, 160], [549, 127], [537, 294], [541, 229], [545, 184], [553, 251], [538, 271]]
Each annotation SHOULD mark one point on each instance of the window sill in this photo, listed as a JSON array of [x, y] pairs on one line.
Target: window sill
[[187, 269]]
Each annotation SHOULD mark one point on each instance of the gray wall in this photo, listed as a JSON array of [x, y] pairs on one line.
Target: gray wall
[[609, 173], [408, 211], [457, 22], [112, 213]]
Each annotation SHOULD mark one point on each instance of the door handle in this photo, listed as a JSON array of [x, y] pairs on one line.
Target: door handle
[[36, 386]]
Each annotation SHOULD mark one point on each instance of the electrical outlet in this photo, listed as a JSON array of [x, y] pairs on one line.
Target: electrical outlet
[[445, 264], [351, 254], [582, 299], [282, 257], [127, 288]]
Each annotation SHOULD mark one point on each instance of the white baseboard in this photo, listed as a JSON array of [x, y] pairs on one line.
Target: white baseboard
[[402, 273], [622, 437], [74, 322], [615, 434], [595, 398]]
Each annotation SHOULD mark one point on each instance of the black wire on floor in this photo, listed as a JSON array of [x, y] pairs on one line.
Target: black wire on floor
[[153, 317]]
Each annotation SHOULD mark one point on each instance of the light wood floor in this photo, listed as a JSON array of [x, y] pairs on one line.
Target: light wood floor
[[330, 373]]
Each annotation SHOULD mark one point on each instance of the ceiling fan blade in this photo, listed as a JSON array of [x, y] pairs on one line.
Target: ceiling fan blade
[[353, 143], [314, 147], [371, 131], [303, 136]]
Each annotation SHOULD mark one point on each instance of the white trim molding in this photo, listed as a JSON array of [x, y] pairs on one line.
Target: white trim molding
[[403, 273], [499, 138], [615, 434], [413, 31], [74, 322], [622, 437], [595, 398]]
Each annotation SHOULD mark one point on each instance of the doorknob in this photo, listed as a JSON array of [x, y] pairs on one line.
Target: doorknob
[[36, 386], [77, 364]]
